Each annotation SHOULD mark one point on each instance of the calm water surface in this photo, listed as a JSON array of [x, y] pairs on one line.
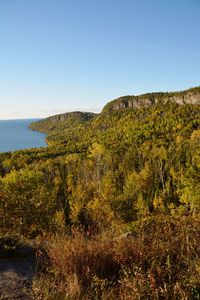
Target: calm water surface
[[15, 135]]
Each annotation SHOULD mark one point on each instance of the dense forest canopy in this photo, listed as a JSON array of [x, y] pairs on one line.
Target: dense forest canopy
[[126, 163]]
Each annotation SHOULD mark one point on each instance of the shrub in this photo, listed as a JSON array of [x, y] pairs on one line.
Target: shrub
[[160, 261]]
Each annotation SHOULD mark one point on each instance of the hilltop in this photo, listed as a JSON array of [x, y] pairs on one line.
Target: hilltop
[[190, 96], [50, 123]]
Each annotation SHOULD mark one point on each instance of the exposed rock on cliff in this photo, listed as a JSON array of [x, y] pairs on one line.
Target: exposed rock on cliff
[[191, 96]]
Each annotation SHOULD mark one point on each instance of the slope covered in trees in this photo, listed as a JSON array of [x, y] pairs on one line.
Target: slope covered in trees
[[130, 163], [120, 164]]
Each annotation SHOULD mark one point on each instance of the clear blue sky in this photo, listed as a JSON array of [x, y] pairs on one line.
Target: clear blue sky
[[59, 55]]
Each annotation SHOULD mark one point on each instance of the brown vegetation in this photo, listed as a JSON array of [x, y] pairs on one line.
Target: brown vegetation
[[160, 261]]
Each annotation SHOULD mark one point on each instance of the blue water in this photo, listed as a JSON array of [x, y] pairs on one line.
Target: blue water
[[15, 135]]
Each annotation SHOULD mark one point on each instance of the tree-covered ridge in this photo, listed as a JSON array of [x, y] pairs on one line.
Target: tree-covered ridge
[[65, 119], [191, 94], [66, 123], [74, 119]]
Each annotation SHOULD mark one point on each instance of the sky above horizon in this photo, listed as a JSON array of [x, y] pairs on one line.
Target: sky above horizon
[[61, 55]]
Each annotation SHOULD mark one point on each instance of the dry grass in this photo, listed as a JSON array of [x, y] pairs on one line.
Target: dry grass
[[161, 261]]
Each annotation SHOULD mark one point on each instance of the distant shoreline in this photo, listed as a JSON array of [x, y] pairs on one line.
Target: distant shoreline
[[15, 135]]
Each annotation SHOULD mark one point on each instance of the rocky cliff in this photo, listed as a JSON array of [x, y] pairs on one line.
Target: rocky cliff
[[66, 119], [191, 96]]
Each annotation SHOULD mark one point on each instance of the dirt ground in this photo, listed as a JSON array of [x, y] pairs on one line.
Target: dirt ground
[[16, 274]]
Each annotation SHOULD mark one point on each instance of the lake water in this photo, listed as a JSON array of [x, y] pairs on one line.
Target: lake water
[[15, 135]]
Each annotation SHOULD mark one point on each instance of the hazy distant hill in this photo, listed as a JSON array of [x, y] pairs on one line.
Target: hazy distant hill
[[50, 123]]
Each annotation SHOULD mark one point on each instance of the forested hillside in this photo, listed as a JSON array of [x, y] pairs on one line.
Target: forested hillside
[[136, 164]]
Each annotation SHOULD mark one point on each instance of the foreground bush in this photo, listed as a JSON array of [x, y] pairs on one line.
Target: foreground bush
[[160, 261]]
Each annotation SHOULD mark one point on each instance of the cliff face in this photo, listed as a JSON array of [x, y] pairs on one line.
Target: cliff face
[[191, 96], [84, 116]]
